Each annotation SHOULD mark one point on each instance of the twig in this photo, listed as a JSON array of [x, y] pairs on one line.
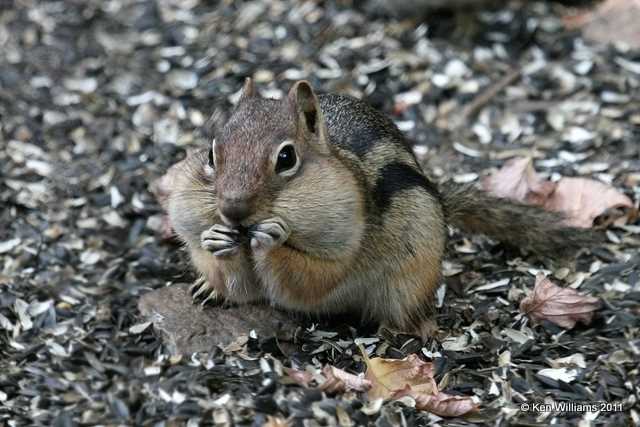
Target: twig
[[483, 98]]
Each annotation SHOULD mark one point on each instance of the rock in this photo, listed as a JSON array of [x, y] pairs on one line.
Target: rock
[[144, 117], [82, 85], [183, 80], [187, 328]]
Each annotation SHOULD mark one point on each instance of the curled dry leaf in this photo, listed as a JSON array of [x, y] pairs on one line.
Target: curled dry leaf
[[332, 380], [518, 180], [562, 306], [610, 21], [339, 381], [583, 201], [296, 376], [411, 376], [442, 404]]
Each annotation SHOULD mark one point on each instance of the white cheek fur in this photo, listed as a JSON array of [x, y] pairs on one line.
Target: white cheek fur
[[207, 167]]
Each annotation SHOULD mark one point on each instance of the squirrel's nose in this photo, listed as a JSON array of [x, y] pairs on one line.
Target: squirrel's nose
[[234, 209]]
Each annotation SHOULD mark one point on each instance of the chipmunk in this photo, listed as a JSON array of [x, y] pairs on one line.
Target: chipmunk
[[316, 204]]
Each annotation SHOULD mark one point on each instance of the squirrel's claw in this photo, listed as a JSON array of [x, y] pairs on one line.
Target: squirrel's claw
[[269, 234], [220, 240], [198, 287], [202, 289]]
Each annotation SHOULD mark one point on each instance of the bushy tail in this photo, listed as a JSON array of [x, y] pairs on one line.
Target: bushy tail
[[524, 226]]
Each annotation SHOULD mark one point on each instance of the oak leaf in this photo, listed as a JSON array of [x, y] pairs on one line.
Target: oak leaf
[[562, 306], [411, 376], [391, 375]]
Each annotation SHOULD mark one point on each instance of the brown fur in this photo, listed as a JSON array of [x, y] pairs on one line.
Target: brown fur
[[520, 225], [366, 229]]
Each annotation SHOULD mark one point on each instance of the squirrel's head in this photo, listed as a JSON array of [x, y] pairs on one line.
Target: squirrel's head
[[263, 147]]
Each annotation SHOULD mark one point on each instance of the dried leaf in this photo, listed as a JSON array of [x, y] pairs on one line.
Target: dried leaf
[[517, 180], [388, 376], [583, 200], [442, 404], [335, 380], [610, 22], [562, 306], [297, 376], [339, 381], [411, 376]]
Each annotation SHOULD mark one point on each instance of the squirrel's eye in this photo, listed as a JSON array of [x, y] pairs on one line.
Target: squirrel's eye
[[287, 159]]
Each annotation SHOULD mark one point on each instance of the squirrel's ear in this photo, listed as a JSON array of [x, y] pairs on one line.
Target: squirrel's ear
[[306, 105], [213, 126], [248, 89]]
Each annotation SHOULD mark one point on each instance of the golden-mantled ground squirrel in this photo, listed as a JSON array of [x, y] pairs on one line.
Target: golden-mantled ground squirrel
[[316, 204]]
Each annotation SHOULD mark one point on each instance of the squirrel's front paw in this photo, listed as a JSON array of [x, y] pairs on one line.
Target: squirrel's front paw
[[220, 240], [269, 234]]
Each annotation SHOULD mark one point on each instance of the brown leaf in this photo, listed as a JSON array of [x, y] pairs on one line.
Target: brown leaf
[[339, 381], [335, 380], [441, 404], [562, 306], [583, 200], [387, 376], [517, 180], [411, 376], [609, 22], [297, 376]]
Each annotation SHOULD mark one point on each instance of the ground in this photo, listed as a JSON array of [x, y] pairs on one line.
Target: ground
[[98, 98]]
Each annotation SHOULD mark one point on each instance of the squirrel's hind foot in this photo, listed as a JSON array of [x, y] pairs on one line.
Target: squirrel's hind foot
[[425, 329], [203, 293]]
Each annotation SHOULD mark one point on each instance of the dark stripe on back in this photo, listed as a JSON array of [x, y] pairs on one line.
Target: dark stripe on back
[[397, 177], [356, 126]]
